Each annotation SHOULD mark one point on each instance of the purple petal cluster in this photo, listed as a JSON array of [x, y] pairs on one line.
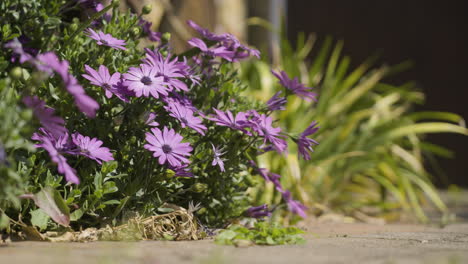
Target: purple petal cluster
[[78, 145], [111, 84], [49, 63], [229, 120], [21, 53], [146, 27], [144, 82], [46, 115], [304, 143], [168, 147], [217, 160], [276, 102], [264, 127], [228, 46], [260, 211], [295, 86], [186, 117], [91, 148], [294, 206], [106, 39]]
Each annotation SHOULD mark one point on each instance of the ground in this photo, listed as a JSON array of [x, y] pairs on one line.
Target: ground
[[326, 243]]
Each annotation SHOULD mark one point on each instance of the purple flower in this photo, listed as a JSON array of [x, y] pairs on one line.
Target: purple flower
[[206, 33], [149, 119], [103, 79], [106, 39], [146, 26], [19, 52], [186, 117], [220, 51], [304, 143], [276, 102], [91, 148], [168, 147], [45, 114], [169, 69], [143, 81], [53, 147], [258, 211], [49, 62], [294, 206], [217, 160], [268, 176], [182, 171], [227, 119], [85, 103], [295, 86], [269, 133]]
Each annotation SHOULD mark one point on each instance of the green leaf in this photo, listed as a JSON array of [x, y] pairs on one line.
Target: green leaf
[[39, 218], [49, 200]]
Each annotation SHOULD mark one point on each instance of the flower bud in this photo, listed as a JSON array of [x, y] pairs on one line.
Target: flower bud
[[73, 27], [116, 2], [146, 9], [100, 60], [166, 36], [16, 73], [199, 187], [136, 31]]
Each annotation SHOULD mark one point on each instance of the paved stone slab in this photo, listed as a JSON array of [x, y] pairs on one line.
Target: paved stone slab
[[326, 243]]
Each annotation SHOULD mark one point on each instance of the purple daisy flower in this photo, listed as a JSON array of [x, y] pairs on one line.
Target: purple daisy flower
[[182, 171], [106, 39], [19, 52], [49, 62], [49, 143], [146, 26], [169, 69], [91, 148], [268, 176], [276, 102], [168, 146], [217, 160], [45, 114], [186, 117], [269, 133], [103, 79], [227, 119], [294, 206], [258, 211], [149, 118], [295, 86], [143, 81], [220, 51], [304, 143], [206, 33], [85, 103]]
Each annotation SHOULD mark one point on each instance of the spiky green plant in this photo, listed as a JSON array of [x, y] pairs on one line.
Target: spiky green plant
[[371, 154]]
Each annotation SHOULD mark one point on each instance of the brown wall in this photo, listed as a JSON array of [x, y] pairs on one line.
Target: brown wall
[[433, 34]]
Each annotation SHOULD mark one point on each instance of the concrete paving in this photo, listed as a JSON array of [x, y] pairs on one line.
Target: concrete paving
[[326, 243]]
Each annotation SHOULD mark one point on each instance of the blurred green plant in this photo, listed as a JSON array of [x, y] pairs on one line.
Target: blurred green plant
[[370, 160], [262, 233]]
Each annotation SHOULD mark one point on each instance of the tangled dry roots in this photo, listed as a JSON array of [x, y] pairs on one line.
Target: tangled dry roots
[[179, 224]]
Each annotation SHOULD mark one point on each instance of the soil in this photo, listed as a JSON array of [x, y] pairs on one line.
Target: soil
[[326, 243]]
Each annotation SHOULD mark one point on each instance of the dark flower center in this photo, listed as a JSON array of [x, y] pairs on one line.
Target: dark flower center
[[183, 120], [166, 148], [106, 86], [146, 80], [103, 41]]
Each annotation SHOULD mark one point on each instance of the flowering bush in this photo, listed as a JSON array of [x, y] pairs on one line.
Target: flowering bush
[[121, 130]]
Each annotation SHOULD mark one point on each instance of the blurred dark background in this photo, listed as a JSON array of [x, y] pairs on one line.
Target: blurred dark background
[[432, 34]]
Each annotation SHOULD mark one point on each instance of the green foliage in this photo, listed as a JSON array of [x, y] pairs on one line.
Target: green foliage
[[263, 233], [135, 183], [371, 156]]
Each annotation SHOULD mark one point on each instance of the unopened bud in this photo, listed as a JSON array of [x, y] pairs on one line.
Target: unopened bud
[[147, 9], [166, 36], [16, 73], [199, 187]]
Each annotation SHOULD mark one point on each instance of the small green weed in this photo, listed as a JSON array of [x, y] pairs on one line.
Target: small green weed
[[263, 233]]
